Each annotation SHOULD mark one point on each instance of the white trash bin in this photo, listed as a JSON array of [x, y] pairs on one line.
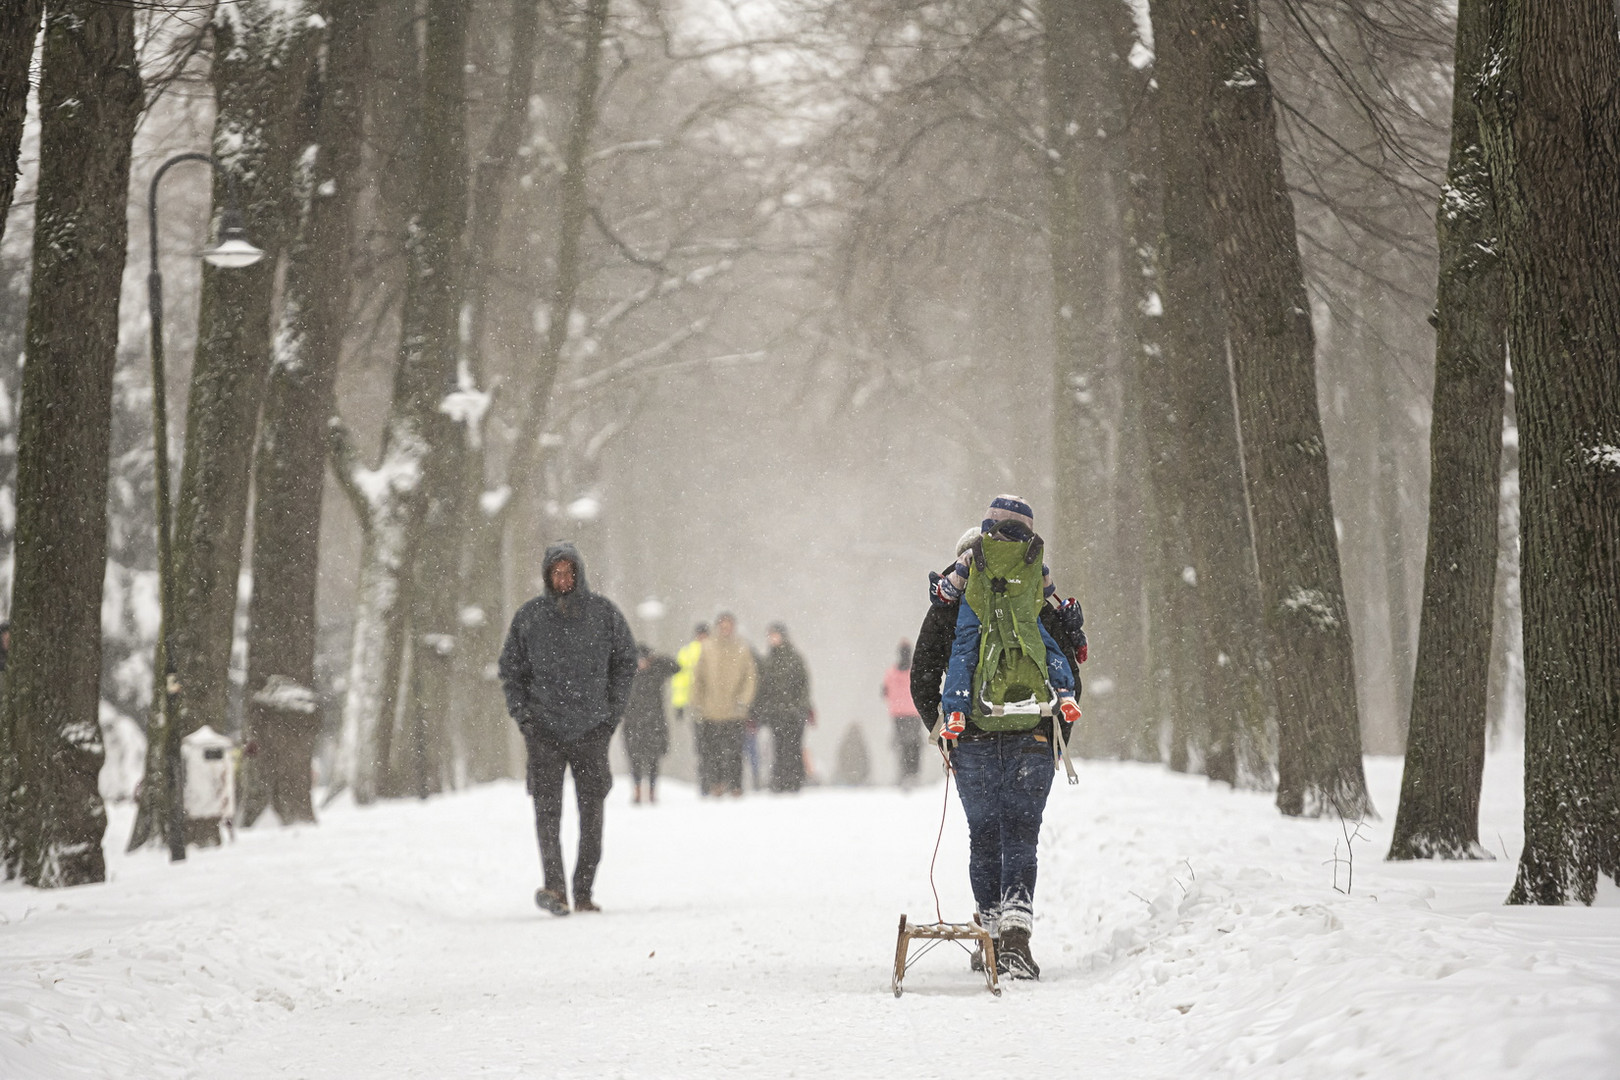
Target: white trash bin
[[210, 787]]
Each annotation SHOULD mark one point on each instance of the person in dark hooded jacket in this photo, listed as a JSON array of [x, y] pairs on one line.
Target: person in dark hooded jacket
[[566, 670], [783, 706], [646, 728]]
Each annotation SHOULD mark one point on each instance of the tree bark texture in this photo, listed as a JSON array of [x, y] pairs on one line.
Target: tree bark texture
[[262, 53], [1445, 749], [419, 458], [90, 96], [19, 27], [283, 716], [1228, 629], [1085, 150], [1552, 140], [1272, 347]]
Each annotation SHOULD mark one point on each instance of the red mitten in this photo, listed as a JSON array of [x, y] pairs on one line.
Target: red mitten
[[955, 724], [1070, 710]]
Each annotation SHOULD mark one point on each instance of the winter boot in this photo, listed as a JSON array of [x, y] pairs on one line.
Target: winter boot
[[1012, 955], [585, 904], [636, 797], [551, 900]]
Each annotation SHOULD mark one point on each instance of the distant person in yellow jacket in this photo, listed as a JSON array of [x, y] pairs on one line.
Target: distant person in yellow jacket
[[723, 686], [680, 685]]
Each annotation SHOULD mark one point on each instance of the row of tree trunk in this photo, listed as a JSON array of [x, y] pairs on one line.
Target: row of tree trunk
[[1246, 606]]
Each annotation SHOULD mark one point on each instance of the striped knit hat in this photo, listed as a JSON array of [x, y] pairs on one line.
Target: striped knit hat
[[1008, 508]]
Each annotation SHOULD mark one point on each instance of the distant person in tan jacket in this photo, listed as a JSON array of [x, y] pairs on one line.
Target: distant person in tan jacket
[[723, 685]]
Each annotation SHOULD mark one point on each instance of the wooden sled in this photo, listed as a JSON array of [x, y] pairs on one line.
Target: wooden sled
[[933, 934]]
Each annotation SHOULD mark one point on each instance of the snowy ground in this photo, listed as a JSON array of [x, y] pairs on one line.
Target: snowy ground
[[1185, 931]]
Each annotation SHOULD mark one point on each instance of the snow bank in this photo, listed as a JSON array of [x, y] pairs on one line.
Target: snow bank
[[1184, 930]]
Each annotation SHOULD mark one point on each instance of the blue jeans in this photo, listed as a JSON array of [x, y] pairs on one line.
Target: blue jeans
[[1003, 781]]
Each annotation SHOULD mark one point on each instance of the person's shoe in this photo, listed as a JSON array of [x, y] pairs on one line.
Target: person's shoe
[[636, 796], [1012, 955], [585, 904], [652, 793], [551, 900]]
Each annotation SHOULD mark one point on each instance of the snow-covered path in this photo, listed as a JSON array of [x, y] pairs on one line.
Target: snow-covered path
[[1184, 930]]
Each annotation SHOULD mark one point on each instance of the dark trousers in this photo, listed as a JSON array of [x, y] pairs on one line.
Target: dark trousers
[[1003, 781], [720, 755], [908, 733], [587, 757], [787, 758]]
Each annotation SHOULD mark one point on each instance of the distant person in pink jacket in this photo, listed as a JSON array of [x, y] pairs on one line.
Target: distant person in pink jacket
[[908, 726]]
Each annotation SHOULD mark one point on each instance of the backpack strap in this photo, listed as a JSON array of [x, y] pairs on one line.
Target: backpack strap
[[1060, 750], [1034, 550]]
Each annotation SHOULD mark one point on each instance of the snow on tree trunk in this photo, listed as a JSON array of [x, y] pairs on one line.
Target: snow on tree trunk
[[291, 460], [419, 451], [19, 27], [1273, 357], [90, 96], [1552, 141], [262, 53], [1445, 749]]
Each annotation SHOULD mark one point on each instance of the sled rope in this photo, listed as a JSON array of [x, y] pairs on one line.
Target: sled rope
[[944, 807]]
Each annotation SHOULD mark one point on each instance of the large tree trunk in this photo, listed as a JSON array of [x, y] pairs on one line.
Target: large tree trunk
[[90, 97], [19, 27], [1085, 147], [503, 508], [574, 210], [1445, 749], [263, 49], [477, 708], [1218, 571], [1273, 356], [1552, 139], [284, 719], [418, 436]]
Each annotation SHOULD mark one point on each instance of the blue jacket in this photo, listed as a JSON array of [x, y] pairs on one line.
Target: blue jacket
[[958, 696]]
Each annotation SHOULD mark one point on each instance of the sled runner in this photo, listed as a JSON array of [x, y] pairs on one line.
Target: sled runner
[[933, 934]]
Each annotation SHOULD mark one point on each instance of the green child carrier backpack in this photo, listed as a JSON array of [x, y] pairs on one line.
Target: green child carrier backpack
[[1010, 688]]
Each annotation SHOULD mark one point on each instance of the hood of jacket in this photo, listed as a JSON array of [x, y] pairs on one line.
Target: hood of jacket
[[555, 554]]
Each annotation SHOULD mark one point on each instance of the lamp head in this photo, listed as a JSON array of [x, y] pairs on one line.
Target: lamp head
[[233, 249]]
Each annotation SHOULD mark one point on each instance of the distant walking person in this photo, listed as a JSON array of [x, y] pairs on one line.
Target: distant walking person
[[908, 726], [723, 685], [680, 687], [783, 706], [566, 669], [646, 728], [680, 694]]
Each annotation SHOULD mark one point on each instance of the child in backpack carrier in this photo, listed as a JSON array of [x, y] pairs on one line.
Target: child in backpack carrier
[[1005, 670]]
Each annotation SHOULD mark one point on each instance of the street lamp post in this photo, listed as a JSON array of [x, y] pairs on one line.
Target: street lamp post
[[230, 250]]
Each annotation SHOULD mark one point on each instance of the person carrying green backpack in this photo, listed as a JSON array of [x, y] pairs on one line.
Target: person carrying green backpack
[[1007, 687]]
